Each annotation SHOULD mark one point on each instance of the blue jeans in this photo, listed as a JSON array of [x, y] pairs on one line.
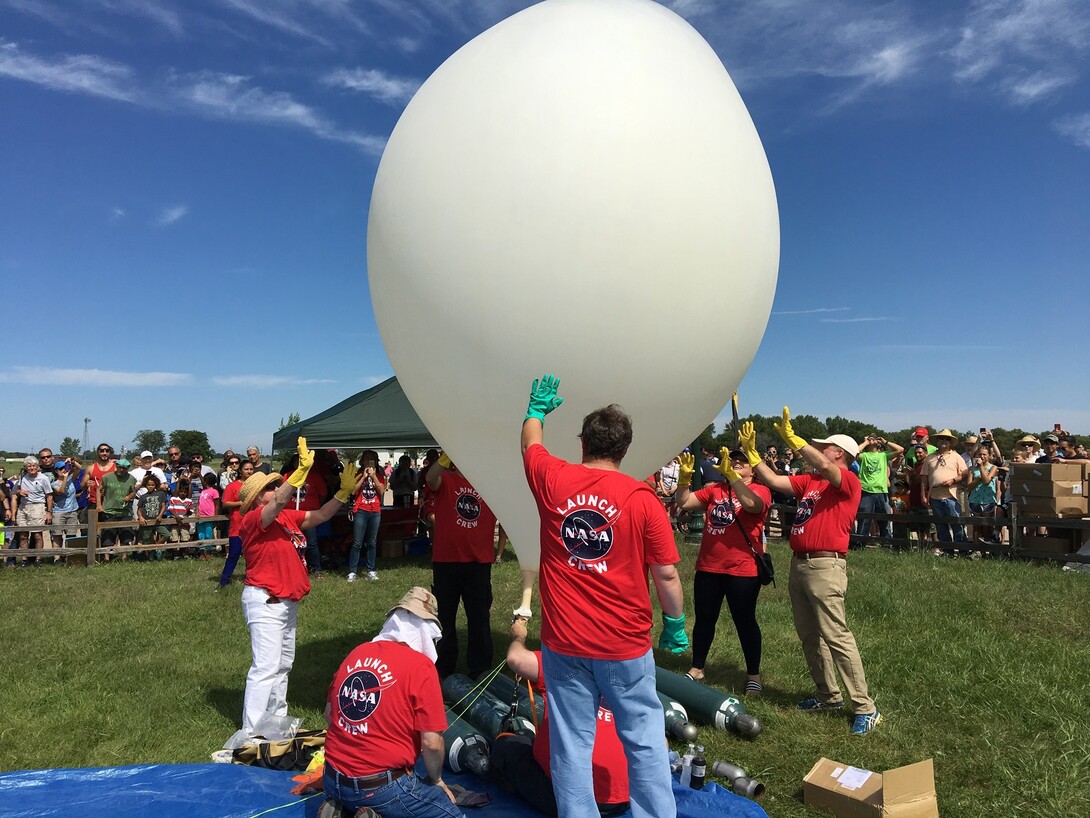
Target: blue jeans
[[574, 686], [234, 551], [873, 503], [364, 529], [945, 510], [407, 797], [314, 556]]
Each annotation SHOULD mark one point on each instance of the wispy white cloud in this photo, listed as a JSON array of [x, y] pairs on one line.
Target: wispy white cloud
[[171, 214], [116, 213], [49, 376], [274, 15], [265, 381], [78, 73], [1075, 127], [158, 13], [935, 347], [230, 96], [863, 319], [378, 84], [1027, 47], [813, 311]]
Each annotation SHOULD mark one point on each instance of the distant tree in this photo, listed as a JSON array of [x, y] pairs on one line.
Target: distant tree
[[150, 440], [706, 440], [855, 429], [191, 440], [293, 418], [70, 447]]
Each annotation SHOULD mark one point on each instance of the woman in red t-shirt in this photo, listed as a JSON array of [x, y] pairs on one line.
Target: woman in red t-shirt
[[734, 518], [366, 513], [276, 578], [231, 505]]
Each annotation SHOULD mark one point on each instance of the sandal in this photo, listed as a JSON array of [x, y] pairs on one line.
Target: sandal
[[692, 678], [754, 688]]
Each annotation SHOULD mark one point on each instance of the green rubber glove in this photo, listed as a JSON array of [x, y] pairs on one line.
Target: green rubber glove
[[298, 477], [747, 442], [787, 433], [674, 638], [543, 397], [723, 466], [686, 465]]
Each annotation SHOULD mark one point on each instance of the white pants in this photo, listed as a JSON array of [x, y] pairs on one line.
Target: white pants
[[272, 640]]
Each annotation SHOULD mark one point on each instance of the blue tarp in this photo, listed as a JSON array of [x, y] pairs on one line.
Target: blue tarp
[[235, 791]]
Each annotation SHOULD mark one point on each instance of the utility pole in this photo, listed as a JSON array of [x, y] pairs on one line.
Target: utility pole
[[86, 442]]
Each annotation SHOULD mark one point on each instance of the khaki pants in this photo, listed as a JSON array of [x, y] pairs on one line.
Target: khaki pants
[[817, 588]]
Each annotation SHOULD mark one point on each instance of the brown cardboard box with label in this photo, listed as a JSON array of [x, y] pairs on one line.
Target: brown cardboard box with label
[[1048, 488], [1048, 471], [851, 792], [1052, 506]]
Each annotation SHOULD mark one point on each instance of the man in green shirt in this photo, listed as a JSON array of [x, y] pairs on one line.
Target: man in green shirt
[[874, 478], [115, 503], [921, 435]]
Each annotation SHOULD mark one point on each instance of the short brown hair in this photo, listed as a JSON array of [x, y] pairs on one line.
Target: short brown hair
[[606, 434]]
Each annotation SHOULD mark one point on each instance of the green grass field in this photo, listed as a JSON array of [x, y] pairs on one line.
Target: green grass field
[[983, 666]]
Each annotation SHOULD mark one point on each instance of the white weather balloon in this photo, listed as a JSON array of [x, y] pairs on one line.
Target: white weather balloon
[[579, 191]]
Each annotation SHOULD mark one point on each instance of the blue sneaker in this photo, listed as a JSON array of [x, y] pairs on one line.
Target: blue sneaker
[[814, 703], [863, 723]]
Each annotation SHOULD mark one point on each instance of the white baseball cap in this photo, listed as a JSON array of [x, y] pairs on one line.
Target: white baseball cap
[[146, 454], [843, 441]]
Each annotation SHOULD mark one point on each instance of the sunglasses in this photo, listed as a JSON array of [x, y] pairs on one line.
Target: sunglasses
[[232, 462], [106, 450]]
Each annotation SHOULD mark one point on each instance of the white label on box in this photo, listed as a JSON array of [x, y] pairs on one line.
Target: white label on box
[[853, 778], [837, 772], [1077, 488]]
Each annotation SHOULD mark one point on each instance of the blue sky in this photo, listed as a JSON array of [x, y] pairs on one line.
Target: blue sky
[[184, 190]]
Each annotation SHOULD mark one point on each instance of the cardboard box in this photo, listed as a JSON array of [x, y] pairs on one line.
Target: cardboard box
[[1049, 545], [850, 792], [1048, 488], [390, 548], [1052, 506], [1048, 471]]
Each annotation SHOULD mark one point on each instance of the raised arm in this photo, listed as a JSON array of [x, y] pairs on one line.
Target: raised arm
[[543, 400]]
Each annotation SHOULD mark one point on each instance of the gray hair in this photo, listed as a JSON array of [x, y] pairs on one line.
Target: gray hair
[[30, 460]]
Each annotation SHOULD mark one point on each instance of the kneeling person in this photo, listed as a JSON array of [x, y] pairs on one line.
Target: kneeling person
[[384, 709], [523, 763]]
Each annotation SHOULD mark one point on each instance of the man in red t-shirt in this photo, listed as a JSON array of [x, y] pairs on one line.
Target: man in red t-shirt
[[601, 532], [523, 762], [384, 709], [820, 533], [463, 550]]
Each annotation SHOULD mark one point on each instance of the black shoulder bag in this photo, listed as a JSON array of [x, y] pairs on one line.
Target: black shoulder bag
[[766, 571]]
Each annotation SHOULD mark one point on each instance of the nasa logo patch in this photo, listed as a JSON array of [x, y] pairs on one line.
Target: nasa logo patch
[[805, 511], [359, 696], [468, 507], [587, 534], [721, 514]]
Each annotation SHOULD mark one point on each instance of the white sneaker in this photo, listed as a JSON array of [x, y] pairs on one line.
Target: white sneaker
[[372, 575], [352, 577]]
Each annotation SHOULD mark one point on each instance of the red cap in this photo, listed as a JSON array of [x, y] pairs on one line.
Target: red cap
[[920, 432]]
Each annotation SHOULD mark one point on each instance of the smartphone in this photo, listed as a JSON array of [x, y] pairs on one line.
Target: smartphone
[[1056, 427]]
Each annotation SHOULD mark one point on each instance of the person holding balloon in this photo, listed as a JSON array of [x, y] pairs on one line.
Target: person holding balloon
[[726, 567], [463, 551], [275, 548], [820, 533], [601, 531]]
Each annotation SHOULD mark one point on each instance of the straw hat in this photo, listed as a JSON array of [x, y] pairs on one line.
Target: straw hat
[[1031, 440], [252, 488], [945, 433], [419, 601]]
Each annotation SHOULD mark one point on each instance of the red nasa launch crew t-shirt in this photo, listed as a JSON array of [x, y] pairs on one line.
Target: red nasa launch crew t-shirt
[[830, 530], [382, 697], [465, 528], [609, 766], [600, 530], [723, 547], [276, 556], [370, 496]]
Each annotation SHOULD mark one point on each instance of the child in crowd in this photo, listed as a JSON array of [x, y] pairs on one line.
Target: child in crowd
[[181, 509], [208, 506], [151, 506]]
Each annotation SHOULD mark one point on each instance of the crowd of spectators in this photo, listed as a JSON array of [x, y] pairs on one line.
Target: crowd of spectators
[[940, 476]]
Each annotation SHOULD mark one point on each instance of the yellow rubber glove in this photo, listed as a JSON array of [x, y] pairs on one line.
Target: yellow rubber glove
[[787, 433], [298, 477], [444, 461], [686, 465], [348, 483], [747, 442], [723, 466]]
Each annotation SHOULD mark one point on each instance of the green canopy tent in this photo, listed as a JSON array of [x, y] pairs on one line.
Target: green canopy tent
[[379, 417]]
